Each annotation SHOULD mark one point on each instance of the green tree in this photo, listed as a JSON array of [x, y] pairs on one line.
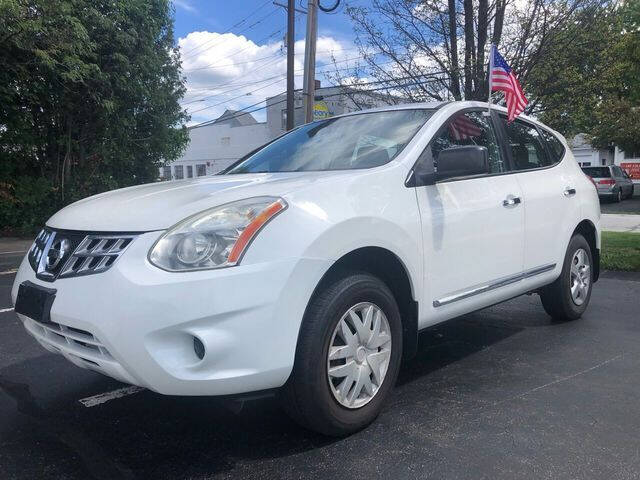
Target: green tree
[[89, 95], [588, 79], [439, 49], [617, 115]]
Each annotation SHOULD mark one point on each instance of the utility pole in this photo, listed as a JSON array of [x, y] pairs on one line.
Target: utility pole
[[291, 25], [309, 82]]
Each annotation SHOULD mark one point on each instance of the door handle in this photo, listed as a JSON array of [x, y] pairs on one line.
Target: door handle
[[510, 201], [568, 191]]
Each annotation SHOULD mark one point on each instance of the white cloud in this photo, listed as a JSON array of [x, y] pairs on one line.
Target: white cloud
[[185, 5], [229, 71]]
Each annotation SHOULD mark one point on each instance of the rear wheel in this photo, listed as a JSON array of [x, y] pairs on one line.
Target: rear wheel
[[348, 356], [618, 196], [568, 297]]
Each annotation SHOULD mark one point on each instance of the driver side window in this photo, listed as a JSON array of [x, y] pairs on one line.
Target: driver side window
[[468, 128]]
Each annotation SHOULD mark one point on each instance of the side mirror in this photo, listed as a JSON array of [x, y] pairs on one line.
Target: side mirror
[[453, 162], [463, 161]]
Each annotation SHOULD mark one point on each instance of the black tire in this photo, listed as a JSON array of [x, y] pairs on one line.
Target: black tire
[[307, 396], [556, 297]]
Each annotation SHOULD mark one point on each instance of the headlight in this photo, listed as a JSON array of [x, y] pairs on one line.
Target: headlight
[[215, 238]]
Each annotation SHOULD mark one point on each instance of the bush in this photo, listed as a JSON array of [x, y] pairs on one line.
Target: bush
[[25, 204]]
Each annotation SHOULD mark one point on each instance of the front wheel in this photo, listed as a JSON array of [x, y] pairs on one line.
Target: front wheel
[[568, 297], [348, 356]]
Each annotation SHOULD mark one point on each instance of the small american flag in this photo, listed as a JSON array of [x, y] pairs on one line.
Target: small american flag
[[463, 128], [503, 79]]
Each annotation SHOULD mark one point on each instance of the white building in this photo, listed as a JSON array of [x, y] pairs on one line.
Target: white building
[[218, 144], [215, 146], [587, 156], [329, 101]]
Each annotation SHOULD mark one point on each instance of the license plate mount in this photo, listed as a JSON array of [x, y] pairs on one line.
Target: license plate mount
[[35, 301]]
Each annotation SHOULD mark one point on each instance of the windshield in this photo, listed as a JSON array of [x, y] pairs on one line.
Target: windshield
[[597, 172], [343, 143]]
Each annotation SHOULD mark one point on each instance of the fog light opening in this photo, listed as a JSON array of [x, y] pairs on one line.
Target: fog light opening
[[198, 348]]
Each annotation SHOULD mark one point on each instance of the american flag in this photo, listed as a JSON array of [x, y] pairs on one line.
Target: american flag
[[464, 128], [503, 79]]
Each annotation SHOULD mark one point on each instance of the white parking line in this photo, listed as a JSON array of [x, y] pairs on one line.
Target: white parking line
[[5, 310], [8, 272], [15, 251], [108, 396]]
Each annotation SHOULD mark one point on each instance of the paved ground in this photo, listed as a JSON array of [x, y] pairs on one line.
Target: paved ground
[[616, 222], [500, 394], [630, 205]]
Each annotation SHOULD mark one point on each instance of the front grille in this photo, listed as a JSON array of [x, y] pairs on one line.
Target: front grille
[[95, 254], [63, 254], [73, 341], [80, 347], [35, 253]]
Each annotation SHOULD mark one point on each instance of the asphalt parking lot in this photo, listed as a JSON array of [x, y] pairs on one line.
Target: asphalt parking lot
[[629, 205], [499, 394]]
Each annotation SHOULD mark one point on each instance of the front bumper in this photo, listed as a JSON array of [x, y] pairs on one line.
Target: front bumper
[[137, 323]]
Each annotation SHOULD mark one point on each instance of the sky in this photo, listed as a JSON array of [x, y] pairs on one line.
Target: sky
[[233, 53]]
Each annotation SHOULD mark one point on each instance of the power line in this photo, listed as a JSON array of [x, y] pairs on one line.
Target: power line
[[249, 46], [408, 77], [235, 89], [235, 98], [326, 70], [245, 29], [209, 122], [300, 70], [237, 24], [281, 77], [233, 83], [355, 92], [207, 67]]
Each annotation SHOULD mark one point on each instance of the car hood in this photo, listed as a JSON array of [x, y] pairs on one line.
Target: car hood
[[158, 206]]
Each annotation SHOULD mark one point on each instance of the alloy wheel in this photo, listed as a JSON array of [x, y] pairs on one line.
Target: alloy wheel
[[580, 276], [359, 355]]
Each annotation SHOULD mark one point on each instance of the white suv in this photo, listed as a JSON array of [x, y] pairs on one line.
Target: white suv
[[309, 267]]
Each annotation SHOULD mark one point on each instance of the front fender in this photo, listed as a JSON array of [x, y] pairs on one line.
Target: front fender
[[329, 219], [353, 234]]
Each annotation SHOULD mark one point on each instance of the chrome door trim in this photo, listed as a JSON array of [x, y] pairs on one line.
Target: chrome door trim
[[500, 282], [538, 270]]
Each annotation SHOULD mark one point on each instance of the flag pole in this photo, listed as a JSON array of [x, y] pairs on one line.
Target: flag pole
[[490, 69]]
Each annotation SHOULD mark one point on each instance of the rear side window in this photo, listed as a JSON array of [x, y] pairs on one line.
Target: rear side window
[[617, 171], [470, 128], [597, 172], [526, 144], [555, 146]]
